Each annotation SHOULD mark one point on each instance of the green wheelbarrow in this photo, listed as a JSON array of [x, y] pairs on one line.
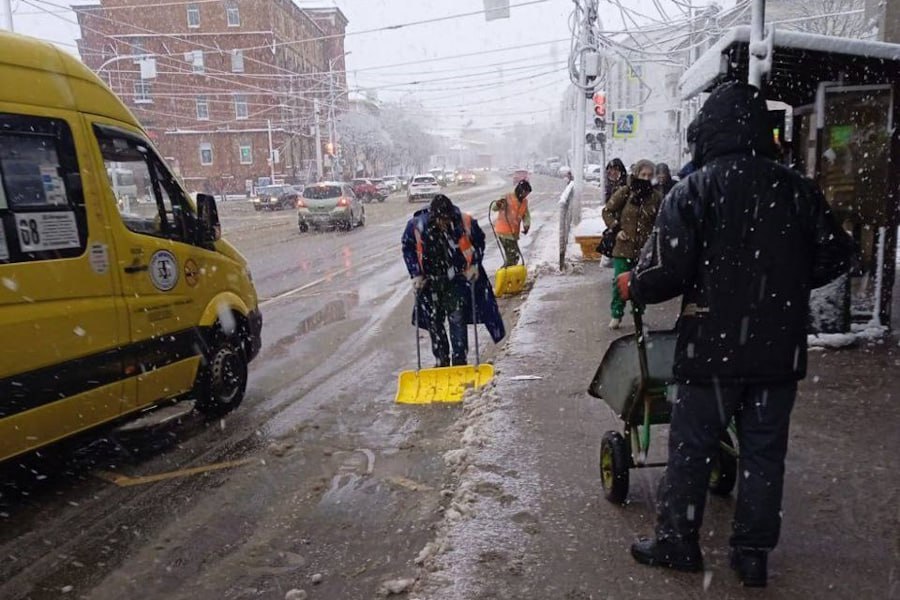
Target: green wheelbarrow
[[633, 378]]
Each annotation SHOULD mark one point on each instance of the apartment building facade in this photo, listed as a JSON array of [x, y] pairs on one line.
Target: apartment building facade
[[217, 83]]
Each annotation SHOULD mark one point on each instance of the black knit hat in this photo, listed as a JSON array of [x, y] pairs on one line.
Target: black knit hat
[[441, 206], [523, 188]]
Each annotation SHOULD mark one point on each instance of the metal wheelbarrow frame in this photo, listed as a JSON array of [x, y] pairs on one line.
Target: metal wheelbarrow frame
[[636, 385], [442, 384]]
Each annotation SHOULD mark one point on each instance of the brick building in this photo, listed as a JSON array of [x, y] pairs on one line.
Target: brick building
[[228, 74]]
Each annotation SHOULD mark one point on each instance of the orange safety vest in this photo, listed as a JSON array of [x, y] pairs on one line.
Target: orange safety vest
[[464, 243], [510, 218]]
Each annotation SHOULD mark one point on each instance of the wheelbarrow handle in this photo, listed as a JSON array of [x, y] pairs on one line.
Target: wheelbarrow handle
[[637, 314]]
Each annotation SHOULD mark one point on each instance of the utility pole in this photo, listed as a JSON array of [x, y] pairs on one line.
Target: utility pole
[[757, 44], [271, 153], [7, 14], [589, 14], [319, 168]]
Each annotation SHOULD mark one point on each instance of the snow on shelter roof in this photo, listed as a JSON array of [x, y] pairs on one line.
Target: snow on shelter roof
[[800, 61]]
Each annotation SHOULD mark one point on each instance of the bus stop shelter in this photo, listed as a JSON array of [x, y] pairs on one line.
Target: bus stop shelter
[[838, 105]]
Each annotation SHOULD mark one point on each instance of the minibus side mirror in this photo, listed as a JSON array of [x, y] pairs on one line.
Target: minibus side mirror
[[208, 228]]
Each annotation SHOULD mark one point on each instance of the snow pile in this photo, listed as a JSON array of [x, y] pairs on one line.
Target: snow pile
[[867, 333], [590, 227]]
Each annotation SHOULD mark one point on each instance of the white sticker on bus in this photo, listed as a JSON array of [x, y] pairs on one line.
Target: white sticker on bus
[[47, 231]]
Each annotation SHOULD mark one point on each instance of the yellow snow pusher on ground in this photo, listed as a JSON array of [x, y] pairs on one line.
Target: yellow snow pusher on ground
[[510, 280], [442, 384]]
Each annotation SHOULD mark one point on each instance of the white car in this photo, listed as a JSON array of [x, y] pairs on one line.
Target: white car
[[423, 187]]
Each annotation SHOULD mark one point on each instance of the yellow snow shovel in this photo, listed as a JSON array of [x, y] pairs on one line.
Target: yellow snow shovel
[[442, 384], [509, 281]]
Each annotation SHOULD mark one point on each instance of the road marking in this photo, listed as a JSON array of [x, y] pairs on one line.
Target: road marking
[[126, 481], [322, 280]]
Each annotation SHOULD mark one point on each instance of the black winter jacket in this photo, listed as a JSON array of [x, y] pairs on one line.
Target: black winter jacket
[[744, 240]]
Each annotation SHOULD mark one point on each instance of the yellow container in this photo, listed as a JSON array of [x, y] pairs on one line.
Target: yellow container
[[510, 280], [589, 245]]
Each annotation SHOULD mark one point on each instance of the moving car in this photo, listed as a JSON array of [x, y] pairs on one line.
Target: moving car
[[520, 175], [393, 183], [382, 190], [275, 197], [330, 204], [109, 308], [365, 189], [467, 178], [423, 187]]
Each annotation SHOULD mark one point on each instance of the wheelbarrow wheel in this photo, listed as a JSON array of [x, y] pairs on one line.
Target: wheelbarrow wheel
[[725, 468], [614, 464]]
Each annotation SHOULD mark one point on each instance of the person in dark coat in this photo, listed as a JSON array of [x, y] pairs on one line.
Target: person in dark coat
[[443, 249], [664, 182], [743, 240], [616, 177]]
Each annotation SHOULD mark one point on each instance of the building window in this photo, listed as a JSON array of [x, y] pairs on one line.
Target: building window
[[195, 57], [240, 107], [142, 92], [206, 155], [202, 108], [233, 14], [237, 61], [193, 15], [246, 153]]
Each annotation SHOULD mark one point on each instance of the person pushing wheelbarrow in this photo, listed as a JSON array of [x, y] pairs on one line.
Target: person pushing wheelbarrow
[[443, 249]]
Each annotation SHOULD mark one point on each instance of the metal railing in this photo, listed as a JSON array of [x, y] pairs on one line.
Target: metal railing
[[566, 199]]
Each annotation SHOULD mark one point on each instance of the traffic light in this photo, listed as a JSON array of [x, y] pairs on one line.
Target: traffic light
[[600, 104], [599, 110]]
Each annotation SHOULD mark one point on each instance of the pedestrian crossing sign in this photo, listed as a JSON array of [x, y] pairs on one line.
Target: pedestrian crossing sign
[[625, 123]]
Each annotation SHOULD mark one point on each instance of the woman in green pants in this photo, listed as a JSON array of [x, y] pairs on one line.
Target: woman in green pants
[[633, 209]]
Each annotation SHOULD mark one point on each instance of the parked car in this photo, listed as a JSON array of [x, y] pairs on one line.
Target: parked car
[[364, 189], [275, 197], [593, 172], [423, 187], [520, 175], [382, 190], [467, 178], [329, 204]]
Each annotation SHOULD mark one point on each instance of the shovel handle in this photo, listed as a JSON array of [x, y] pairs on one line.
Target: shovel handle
[[475, 323], [416, 329]]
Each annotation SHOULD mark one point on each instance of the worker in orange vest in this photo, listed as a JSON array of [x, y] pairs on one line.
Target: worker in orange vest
[[513, 215]]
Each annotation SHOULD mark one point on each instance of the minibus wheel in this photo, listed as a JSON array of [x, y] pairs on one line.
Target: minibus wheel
[[223, 380]]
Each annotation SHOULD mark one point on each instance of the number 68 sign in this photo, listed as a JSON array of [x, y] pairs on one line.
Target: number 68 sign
[[47, 231]]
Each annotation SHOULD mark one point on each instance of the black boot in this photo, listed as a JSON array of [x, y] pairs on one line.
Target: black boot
[[751, 566], [681, 556]]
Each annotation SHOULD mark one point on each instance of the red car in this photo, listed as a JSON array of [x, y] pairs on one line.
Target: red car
[[366, 190]]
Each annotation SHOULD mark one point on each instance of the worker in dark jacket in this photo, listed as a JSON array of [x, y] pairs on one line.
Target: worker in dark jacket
[[743, 240], [443, 248]]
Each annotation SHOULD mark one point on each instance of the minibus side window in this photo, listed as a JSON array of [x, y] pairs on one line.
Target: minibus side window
[[148, 198], [42, 214]]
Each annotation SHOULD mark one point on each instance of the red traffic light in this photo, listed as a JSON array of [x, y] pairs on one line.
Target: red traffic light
[[600, 104]]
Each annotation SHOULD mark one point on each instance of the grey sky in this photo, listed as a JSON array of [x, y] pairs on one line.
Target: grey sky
[[527, 88]]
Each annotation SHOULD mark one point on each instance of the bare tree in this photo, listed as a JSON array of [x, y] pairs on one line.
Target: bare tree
[[835, 18]]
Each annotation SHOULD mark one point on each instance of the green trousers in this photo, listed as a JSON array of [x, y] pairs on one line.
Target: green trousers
[[510, 250], [617, 306]]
